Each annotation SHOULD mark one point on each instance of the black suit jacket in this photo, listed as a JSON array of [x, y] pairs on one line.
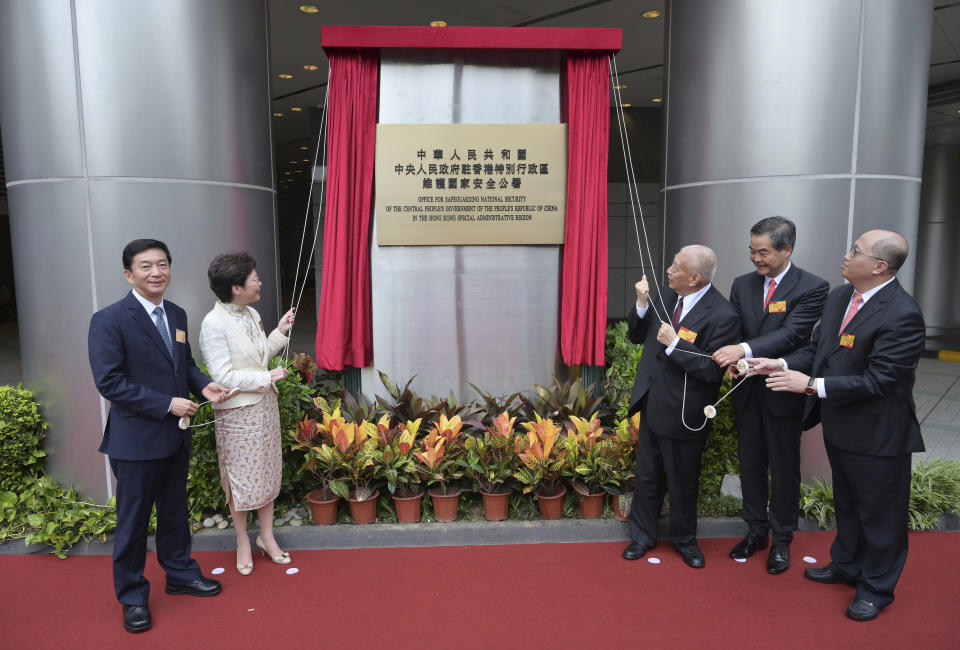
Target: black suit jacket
[[869, 407], [133, 369], [660, 377], [775, 334]]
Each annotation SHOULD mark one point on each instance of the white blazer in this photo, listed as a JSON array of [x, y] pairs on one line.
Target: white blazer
[[232, 360]]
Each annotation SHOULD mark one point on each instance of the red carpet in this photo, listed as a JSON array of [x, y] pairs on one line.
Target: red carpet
[[525, 596]]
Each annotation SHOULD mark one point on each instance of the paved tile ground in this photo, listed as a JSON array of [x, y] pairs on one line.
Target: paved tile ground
[[937, 391]]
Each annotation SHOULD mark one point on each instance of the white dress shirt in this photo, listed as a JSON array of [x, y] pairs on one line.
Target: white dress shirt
[[689, 302], [747, 352]]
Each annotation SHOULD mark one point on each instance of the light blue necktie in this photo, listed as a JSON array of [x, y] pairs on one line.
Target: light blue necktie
[[162, 328]]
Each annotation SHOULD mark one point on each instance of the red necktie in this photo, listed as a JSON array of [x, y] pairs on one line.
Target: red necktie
[[770, 290], [852, 310], [676, 313]]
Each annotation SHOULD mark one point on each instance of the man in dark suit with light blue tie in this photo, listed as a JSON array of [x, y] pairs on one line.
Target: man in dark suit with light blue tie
[[778, 305], [862, 366], [142, 364]]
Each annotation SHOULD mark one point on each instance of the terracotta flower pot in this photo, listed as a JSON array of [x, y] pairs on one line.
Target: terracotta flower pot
[[408, 508], [618, 514], [323, 508], [551, 507], [445, 505], [364, 512], [591, 505], [495, 506]]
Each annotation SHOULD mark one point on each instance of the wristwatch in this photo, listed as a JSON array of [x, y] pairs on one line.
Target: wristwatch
[[811, 388]]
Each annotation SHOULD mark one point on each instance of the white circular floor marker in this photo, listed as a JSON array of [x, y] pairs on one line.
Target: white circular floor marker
[[292, 570], [653, 560], [809, 560], [741, 560], [217, 571]]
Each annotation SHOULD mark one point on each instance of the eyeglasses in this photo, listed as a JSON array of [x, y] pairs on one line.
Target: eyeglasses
[[856, 251]]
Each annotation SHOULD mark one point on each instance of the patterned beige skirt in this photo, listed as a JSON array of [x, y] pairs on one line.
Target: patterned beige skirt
[[249, 452]]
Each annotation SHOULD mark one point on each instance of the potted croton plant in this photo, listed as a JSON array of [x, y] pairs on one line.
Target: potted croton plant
[[542, 460], [348, 447], [321, 463], [491, 461], [589, 464], [437, 461], [625, 438], [394, 455]]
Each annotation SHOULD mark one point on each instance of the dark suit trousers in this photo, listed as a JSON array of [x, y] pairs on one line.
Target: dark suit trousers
[[680, 461], [872, 499], [768, 441], [140, 484]]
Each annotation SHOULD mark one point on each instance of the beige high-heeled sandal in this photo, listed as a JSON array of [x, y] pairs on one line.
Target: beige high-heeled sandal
[[245, 569], [283, 558]]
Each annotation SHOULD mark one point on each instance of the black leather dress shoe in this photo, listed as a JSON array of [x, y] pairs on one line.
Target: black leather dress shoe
[[748, 546], [136, 618], [691, 554], [779, 559], [199, 587], [862, 610], [635, 551], [826, 575]]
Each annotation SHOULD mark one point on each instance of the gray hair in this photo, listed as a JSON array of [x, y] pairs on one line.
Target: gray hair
[[782, 231], [703, 260]]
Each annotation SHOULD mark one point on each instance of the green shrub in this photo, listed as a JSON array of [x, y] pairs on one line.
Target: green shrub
[[21, 436], [720, 452], [816, 502], [32, 505], [622, 357], [934, 489]]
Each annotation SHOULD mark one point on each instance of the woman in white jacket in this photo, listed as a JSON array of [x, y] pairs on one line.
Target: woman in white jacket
[[247, 426]]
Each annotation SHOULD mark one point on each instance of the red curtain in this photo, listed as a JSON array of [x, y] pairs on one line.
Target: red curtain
[[344, 319], [583, 293]]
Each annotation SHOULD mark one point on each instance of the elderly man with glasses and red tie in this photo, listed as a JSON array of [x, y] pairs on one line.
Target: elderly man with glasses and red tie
[[858, 372]]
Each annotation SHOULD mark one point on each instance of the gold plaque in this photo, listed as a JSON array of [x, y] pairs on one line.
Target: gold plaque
[[439, 184]]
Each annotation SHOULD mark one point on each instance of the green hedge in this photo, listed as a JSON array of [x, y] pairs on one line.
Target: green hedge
[[21, 436]]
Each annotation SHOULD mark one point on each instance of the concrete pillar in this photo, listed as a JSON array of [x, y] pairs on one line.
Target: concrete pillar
[[939, 239], [810, 109], [123, 120]]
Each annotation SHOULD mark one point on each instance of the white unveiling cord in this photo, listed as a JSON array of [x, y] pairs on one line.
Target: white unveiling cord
[[296, 297], [709, 411], [184, 422], [633, 190]]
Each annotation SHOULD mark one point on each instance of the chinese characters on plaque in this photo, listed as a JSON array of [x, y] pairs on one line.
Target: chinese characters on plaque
[[470, 183]]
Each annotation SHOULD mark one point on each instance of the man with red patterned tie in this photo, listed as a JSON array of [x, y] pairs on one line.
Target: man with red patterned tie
[[676, 379], [862, 365], [778, 305]]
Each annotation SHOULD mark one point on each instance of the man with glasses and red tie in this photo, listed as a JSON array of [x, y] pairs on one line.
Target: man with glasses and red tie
[[676, 378], [862, 365], [778, 305]]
